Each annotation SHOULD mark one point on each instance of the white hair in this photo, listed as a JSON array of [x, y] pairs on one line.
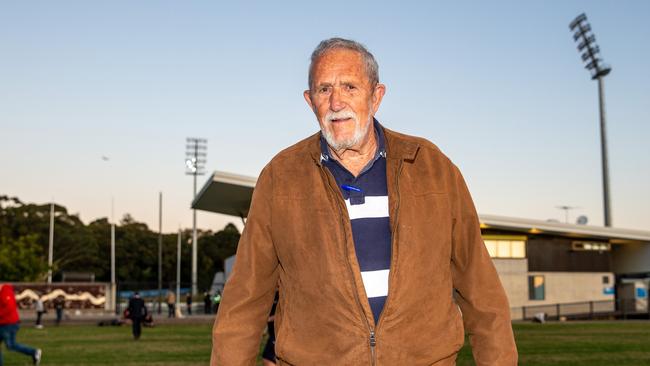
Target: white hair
[[372, 68]]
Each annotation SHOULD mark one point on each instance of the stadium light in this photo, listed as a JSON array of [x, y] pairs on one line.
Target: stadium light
[[594, 63], [195, 158]]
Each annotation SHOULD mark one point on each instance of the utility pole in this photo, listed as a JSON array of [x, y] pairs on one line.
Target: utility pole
[[113, 304], [50, 254], [113, 282], [587, 43], [195, 158], [178, 270], [159, 252]]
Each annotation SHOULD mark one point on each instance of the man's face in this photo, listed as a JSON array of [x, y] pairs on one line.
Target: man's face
[[343, 98]]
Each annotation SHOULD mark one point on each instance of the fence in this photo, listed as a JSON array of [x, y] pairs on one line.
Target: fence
[[621, 308]]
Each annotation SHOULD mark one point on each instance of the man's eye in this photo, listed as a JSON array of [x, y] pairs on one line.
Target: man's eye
[[324, 89], [350, 87]]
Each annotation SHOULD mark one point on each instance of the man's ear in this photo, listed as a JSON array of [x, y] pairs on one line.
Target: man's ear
[[377, 96], [307, 96]]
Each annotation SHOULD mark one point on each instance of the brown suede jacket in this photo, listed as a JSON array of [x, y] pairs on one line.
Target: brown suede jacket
[[298, 238]]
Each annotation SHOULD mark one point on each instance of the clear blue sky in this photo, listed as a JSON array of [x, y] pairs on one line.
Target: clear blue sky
[[498, 85]]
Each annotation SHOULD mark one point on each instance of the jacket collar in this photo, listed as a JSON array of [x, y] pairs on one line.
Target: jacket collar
[[398, 146]]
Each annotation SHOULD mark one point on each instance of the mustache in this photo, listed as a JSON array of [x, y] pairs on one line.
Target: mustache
[[344, 114]]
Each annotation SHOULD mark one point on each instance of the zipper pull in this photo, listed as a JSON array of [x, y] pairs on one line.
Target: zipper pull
[[373, 340]]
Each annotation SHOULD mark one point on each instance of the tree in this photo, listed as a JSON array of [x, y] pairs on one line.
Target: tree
[[213, 250], [24, 234], [22, 259]]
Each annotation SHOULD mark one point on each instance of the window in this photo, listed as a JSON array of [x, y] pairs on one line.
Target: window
[[536, 288], [590, 246], [605, 280], [491, 246], [504, 246], [518, 248]]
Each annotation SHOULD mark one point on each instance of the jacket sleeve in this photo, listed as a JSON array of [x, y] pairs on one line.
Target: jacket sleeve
[[249, 292], [482, 300]]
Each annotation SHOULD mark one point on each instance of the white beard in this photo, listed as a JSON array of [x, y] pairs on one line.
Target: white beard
[[345, 143]]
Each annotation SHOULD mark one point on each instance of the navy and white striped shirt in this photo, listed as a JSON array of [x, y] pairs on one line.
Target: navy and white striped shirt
[[368, 212]]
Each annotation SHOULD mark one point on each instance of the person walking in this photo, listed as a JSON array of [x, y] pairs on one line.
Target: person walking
[[40, 310], [136, 311], [370, 235], [10, 324], [188, 301], [59, 305], [171, 304]]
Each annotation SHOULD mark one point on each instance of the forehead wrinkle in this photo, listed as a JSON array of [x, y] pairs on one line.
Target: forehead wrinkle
[[340, 62], [340, 79]]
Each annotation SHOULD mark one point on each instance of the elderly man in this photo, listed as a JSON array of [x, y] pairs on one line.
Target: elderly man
[[371, 237]]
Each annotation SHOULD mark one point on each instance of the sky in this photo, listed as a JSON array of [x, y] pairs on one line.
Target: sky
[[499, 86]]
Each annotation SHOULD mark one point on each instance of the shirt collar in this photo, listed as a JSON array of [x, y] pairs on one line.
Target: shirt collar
[[325, 154]]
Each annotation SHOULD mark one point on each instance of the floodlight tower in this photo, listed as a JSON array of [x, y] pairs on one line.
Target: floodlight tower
[[590, 50], [195, 158]]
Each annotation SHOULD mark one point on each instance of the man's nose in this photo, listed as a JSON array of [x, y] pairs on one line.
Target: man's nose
[[336, 102]]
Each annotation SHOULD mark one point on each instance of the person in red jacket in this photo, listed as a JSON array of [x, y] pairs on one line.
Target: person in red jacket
[[10, 323]]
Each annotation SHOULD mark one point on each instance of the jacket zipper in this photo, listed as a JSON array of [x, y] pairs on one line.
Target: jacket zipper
[[372, 339], [393, 264]]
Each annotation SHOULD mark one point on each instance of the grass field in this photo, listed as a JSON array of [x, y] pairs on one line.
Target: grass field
[[574, 344]]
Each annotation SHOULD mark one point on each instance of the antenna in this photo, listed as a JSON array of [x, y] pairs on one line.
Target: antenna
[[566, 211]]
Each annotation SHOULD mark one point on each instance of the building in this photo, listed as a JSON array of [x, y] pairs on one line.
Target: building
[[566, 269], [555, 268]]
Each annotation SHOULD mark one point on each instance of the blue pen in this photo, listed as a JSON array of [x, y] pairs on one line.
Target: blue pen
[[351, 188]]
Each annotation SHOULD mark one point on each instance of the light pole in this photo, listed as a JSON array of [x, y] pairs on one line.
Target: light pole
[[195, 158], [159, 252], [50, 253], [113, 304], [113, 282], [587, 43], [178, 270]]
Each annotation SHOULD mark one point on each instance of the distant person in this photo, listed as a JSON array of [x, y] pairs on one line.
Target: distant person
[[137, 312], [40, 310], [10, 324], [188, 301], [216, 300], [207, 303], [59, 305], [171, 304]]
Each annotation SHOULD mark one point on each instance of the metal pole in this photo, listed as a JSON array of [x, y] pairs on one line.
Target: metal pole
[[194, 245], [194, 162], [50, 254], [159, 252], [178, 269], [603, 149], [113, 282]]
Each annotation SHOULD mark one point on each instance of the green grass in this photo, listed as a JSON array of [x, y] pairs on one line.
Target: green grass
[[93, 345], [574, 344], [579, 343]]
